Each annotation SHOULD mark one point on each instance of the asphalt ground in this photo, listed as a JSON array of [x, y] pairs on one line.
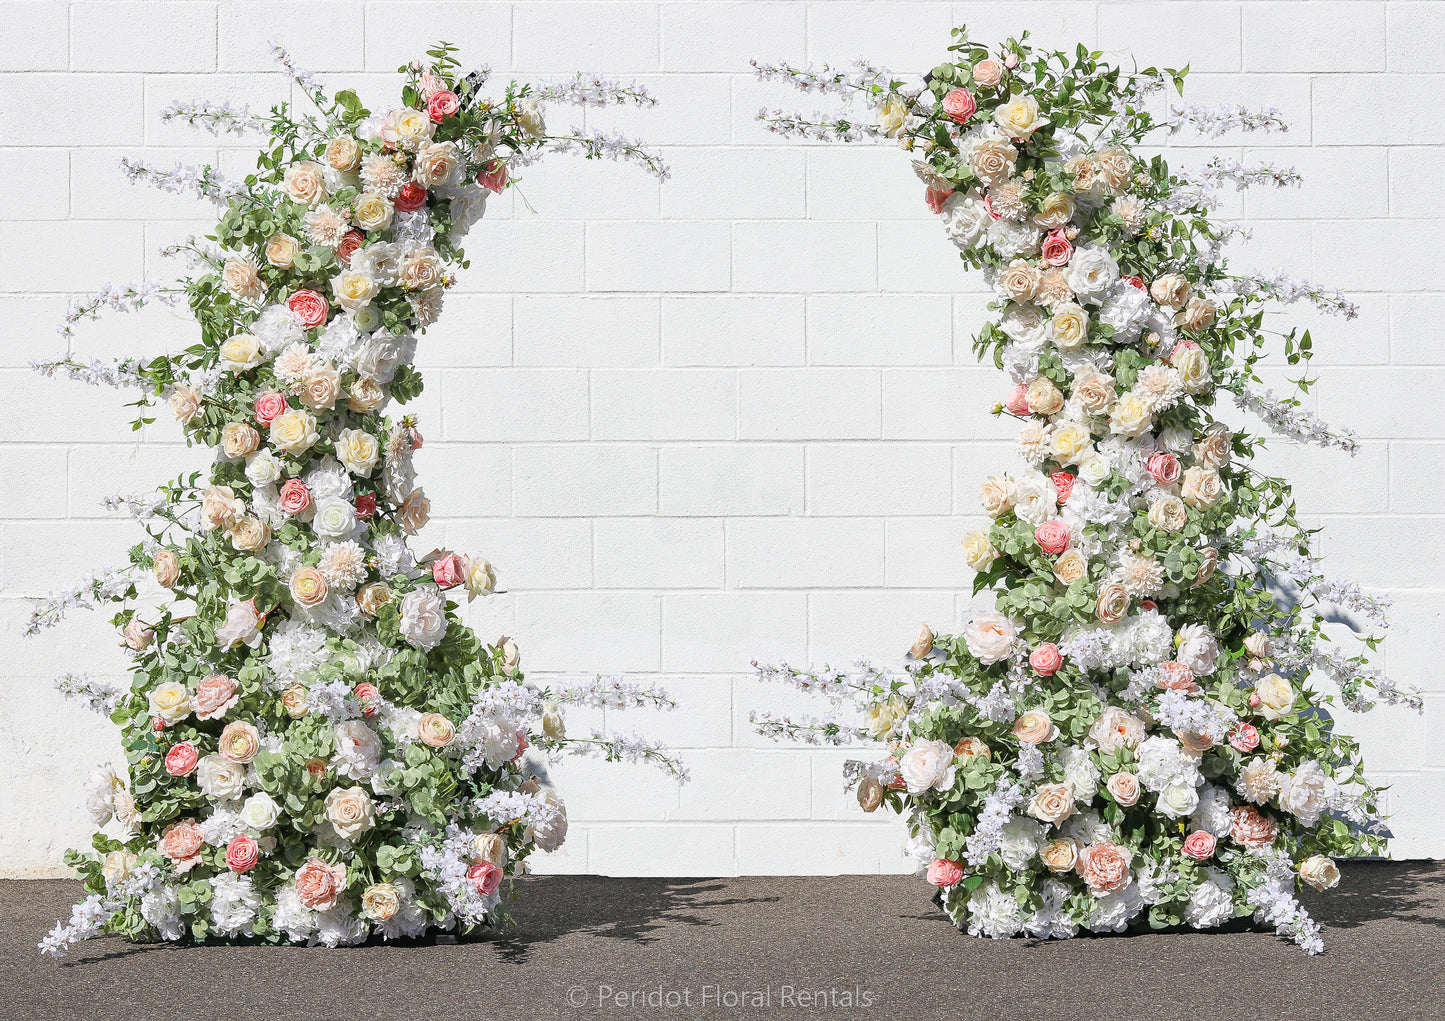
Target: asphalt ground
[[756, 947]]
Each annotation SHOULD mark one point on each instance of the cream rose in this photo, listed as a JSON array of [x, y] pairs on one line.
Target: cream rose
[[1019, 280], [354, 289], [1320, 872], [321, 388], [372, 211], [1043, 397], [1035, 727], [343, 153], [990, 637], [421, 269], [490, 847], [435, 730], [1167, 514], [1201, 487], [892, 115], [281, 250], [1071, 566], [365, 395], [380, 901], [1130, 416], [1115, 168], [185, 404], [1060, 855], [1171, 290], [240, 353], [1124, 787], [260, 812], [436, 165], [1192, 365], [249, 534], [350, 811], [1052, 803], [169, 701], [529, 118], [166, 566], [305, 183], [1112, 604], [978, 552], [294, 431], [1055, 210], [1276, 696], [358, 450], [1094, 392], [1196, 316], [415, 512], [992, 160], [1214, 448], [370, 598], [1069, 327], [220, 508], [1019, 117], [928, 766], [239, 742], [1070, 443]]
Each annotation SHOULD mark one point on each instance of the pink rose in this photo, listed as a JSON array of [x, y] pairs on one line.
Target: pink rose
[[448, 571], [1104, 866], [1011, 60], [442, 104], [959, 105], [1058, 249], [1164, 467], [182, 843], [1244, 738], [987, 73], [365, 505], [934, 197], [484, 877], [309, 307], [242, 853], [181, 759], [318, 883], [295, 497], [269, 406], [411, 197], [1052, 536], [214, 695], [1255, 701], [367, 694], [1018, 401], [1253, 828], [944, 873], [350, 242], [1199, 845], [493, 176], [1063, 485], [1046, 659]]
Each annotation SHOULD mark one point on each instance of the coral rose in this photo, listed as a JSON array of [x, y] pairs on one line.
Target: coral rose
[[309, 307], [1199, 845], [242, 853], [319, 883], [959, 105], [182, 842], [944, 873], [1104, 867], [1046, 659], [182, 758]]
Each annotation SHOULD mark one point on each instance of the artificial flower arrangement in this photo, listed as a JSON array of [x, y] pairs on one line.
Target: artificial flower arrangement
[[317, 750], [1130, 737]]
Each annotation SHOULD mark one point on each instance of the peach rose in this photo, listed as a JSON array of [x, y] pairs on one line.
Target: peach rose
[[1201, 487], [1070, 567], [1171, 290], [350, 811], [281, 250], [1060, 855], [321, 388], [239, 742], [319, 883], [1112, 604], [987, 73], [343, 153], [415, 512], [242, 277], [1253, 828], [1105, 867], [1214, 448], [1043, 397], [250, 533], [1052, 803], [1208, 561], [1167, 514], [435, 730], [380, 901], [1035, 727], [304, 183], [166, 566], [1124, 788], [308, 587], [220, 507], [372, 596], [182, 842], [238, 439], [293, 700], [214, 696]]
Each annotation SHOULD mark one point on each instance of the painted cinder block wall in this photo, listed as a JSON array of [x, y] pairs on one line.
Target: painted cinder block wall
[[730, 416]]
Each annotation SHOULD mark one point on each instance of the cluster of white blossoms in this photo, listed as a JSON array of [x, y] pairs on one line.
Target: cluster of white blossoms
[[1129, 737]]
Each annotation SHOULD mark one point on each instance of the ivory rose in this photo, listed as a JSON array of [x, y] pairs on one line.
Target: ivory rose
[[1060, 854], [350, 811], [1019, 117], [1320, 872], [1124, 788], [1052, 803], [928, 766], [990, 637]]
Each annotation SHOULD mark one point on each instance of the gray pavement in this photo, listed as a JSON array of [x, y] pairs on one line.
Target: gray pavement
[[757, 947]]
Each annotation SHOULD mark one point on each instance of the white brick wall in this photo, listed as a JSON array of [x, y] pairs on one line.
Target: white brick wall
[[731, 416]]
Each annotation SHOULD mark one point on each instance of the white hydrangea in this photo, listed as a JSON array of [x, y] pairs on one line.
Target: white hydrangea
[[1019, 842], [1162, 761], [276, 329], [993, 912], [1052, 920], [234, 902], [1112, 912], [1212, 902], [358, 749], [1214, 813], [292, 917], [1080, 772], [337, 926]]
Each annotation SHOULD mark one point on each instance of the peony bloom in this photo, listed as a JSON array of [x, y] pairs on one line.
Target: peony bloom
[[319, 883], [215, 695], [990, 637], [423, 617], [1104, 867], [182, 842], [928, 766]]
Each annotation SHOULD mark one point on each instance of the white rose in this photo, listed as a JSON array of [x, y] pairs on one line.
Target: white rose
[[354, 289], [1036, 498], [334, 519], [978, 551], [423, 617], [240, 352], [990, 637], [219, 778], [928, 765], [529, 117], [892, 115], [1178, 799], [262, 468], [260, 812], [965, 218], [1095, 470], [1019, 117], [1092, 273], [294, 431]]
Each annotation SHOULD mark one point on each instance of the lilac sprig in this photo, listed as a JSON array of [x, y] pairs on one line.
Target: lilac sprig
[[121, 372], [1286, 417], [129, 298], [860, 76], [818, 126], [214, 117], [98, 696], [104, 586], [1213, 121], [616, 746], [204, 181], [1286, 289], [584, 89]]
